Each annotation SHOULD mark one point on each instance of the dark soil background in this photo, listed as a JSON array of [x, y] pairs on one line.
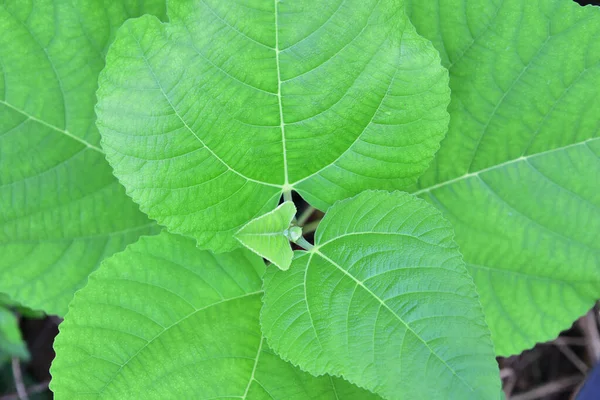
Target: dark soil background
[[562, 369]]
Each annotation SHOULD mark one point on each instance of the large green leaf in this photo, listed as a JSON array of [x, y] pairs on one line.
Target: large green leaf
[[208, 119], [518, 174], [61, 209], [164, 320], [384, 300]]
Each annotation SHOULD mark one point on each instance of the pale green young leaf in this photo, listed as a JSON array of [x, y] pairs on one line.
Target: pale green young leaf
[[61, 209], [269, 235], [384, 300], [209, 118], [164, 320], [518, 174]]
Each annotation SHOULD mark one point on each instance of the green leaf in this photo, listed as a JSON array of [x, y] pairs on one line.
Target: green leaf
[[165, 320], [384, 300], [27, 312], [269, 235], [209, 118], [61, 209], [519, 170], [11, 343]]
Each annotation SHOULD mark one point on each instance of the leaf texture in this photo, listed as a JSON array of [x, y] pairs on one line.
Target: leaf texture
[[208, 119], [518, 172], [61, 209], [164, 320], [384, 300]]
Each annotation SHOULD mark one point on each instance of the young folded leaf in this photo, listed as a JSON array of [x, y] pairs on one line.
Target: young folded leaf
[[269, 235], [518, 173], [384, 300], [210, 118], [164, 320], [61, 209]]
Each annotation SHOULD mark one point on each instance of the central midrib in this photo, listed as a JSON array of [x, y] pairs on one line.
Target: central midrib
[[252, 378], [393, 312], [101, 391], [286, 185], [52, 126], [501, 165]]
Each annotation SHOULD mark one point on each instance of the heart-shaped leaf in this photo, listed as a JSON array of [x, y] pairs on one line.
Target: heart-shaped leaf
[[164, 320], [384, 300], [210, 118], [518, 174]]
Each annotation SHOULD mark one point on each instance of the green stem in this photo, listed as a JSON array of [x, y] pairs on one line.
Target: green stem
[[287, 195], [310, 227], [304, 244], [306, 215]]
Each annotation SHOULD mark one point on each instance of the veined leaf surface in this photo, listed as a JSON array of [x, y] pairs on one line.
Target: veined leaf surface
[[384, 300], [61, 209], [209, 118], [164, 320], [518, 174]]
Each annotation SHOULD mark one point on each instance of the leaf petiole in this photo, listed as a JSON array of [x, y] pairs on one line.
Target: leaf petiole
[[287, 195], [304, 244]]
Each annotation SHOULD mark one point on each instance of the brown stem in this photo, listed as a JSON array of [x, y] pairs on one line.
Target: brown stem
[[34, 389], [18, 377], [589, 326], [542, 391], [570, 354]]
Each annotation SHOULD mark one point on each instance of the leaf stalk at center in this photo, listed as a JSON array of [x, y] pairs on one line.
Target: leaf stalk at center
[[304, 244]]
